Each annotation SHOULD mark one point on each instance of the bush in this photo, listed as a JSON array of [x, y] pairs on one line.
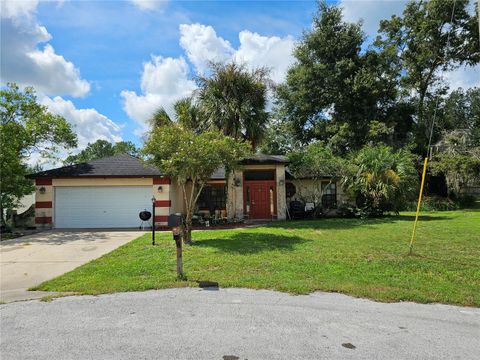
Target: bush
[[380, 179], [467, 201], [433, 203]]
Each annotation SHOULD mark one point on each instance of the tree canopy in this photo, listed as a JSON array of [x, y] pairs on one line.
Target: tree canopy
[[190, 159], [233, 99], [26, 127], [100, 149], [348, 92]]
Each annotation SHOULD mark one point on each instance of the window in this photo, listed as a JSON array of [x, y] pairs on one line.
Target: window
[[259, 175], [329, 197], [213, 197]]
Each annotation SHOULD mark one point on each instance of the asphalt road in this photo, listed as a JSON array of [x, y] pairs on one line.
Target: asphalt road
[[235, 324]]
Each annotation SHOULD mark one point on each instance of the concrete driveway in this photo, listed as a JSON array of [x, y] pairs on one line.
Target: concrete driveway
[[235, 324], [30, 260]]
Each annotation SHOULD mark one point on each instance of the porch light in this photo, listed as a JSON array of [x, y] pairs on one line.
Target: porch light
[[160, 189], [281, 182], [238, 182], [42, 190]]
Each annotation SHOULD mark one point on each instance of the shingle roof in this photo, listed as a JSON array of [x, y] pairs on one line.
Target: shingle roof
[[128, 166], [114, 166], [265, 159]]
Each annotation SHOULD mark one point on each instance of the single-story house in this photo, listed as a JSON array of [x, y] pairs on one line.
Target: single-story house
[[111, 192]]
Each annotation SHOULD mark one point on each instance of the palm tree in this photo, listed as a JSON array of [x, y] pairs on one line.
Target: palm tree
[[187, 114], [233, 99], [381, 178]]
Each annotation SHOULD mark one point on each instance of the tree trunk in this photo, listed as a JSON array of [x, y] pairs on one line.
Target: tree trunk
[[187, 234], [178, 243]]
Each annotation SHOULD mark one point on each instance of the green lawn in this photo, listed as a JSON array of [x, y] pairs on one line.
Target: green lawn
[[365, 258]]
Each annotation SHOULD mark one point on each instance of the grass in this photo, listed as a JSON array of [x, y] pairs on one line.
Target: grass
[[363, 258]]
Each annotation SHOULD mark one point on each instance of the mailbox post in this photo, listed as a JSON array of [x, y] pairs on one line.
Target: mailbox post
[[153, 221], [175, 223]]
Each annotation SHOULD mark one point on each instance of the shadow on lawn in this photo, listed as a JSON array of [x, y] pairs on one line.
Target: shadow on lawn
[[346, 223], [249, 243]]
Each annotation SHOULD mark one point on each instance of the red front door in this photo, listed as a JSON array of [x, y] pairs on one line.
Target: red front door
[[260, 199]]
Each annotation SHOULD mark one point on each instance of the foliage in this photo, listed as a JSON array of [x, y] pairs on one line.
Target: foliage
[[433, 203], [428, 41], [459, 169], [187, 113], [316, 161], [233, 100], [191, 159], [461, 111], [458, 159], [381, 179], [349, 93], [278, 139], [360, 257], [26, 127], [100, 149], [335, 89]]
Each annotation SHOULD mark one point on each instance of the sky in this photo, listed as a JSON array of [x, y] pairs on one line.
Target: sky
[[107, 65]]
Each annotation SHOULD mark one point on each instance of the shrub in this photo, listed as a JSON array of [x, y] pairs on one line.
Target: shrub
[[381, 179], [433, 203]]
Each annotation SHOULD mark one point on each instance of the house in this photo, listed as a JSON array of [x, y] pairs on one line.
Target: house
[[110, 193]]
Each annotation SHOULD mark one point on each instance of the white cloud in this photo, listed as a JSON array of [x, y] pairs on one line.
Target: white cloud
[[149, 5], [202, 45], [24, 62], [88, 124], [464, 77], [371, 12], [273, 52], [16, 8], [164, 80]]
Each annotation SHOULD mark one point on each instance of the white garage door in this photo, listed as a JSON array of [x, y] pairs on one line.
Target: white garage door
[[101, 207]]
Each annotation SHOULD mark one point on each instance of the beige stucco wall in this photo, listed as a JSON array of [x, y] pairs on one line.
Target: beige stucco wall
[[281, 196], [176, 196], [307, 187], [235, 195]]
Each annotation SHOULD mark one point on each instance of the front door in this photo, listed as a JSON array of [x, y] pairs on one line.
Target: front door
[[260, 199]]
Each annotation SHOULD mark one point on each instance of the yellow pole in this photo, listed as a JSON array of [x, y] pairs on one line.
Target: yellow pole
[[418, 204]]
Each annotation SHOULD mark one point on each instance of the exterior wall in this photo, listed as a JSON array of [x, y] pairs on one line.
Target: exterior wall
[[308, 187], [44, 202], [161, 192], [235, 195], [281, 195], [176, 196]]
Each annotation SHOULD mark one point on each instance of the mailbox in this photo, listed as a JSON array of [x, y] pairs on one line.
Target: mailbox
[[174, 220]]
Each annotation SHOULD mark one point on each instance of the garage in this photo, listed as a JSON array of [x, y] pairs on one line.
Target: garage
[[104, 193], [100, 207]]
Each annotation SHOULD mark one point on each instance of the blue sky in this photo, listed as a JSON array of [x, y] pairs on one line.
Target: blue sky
[[105, 65]]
